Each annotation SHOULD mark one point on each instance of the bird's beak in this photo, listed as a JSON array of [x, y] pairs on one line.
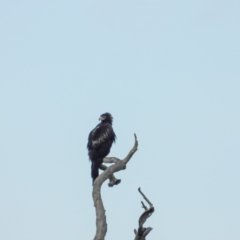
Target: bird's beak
[[101, 118]]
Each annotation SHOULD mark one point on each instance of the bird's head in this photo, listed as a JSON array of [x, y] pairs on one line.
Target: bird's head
[[106, 117]]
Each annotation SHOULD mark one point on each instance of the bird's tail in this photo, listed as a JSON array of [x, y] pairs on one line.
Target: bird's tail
[[95, 166]]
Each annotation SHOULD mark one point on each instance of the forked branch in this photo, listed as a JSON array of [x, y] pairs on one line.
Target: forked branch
[[142, 231], [101, 223]]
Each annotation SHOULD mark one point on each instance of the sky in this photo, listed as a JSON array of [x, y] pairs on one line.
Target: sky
[[166, 70]]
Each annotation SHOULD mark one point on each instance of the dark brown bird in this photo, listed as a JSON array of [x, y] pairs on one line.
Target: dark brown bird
[[100, 141]]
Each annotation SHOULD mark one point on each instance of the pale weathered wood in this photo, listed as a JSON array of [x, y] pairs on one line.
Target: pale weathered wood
[[101, 223]]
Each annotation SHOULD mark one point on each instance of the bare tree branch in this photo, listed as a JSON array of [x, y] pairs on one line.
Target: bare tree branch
[[101, 223], [112, 180], [145, 198], [132, 151], [142, 231]]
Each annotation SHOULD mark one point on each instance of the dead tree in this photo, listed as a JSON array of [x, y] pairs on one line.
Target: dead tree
[[101, 223]]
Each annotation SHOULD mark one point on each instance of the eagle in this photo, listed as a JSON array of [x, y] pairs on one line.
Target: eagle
[[100, 141]]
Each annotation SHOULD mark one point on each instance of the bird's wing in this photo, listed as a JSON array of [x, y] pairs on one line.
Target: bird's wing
[[100, 134]]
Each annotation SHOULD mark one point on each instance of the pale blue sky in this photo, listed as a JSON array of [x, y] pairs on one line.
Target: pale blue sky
[[168, 71]]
